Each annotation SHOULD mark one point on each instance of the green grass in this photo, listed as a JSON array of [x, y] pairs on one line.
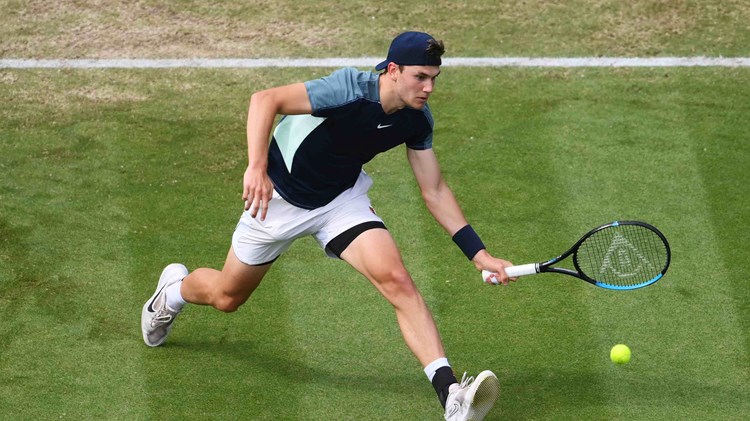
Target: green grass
[[110, 175], [313, 28]]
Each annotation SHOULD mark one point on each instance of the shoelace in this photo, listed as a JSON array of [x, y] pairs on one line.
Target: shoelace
[[465, 382], [163, 316]]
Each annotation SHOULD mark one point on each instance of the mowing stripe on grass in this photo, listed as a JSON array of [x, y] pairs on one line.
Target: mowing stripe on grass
[[647, 144], [371, 61]]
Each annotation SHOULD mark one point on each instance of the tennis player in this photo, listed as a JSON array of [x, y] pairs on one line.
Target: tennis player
[[309, 181]]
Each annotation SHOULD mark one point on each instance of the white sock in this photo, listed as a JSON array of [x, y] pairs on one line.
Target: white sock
[[174, 297], [432, 367]]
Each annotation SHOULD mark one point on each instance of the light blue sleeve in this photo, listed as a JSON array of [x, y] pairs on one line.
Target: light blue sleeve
[[334, 90]]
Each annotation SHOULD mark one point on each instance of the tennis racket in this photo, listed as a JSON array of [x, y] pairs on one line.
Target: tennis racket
[[620, 255]]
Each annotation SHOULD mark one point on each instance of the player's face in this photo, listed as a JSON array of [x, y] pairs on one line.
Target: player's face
[[415, 84]]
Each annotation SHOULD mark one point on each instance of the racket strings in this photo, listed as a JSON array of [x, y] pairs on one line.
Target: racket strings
[[622, 255]]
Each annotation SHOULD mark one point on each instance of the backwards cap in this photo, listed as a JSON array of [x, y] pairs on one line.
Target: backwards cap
[[410, 49]]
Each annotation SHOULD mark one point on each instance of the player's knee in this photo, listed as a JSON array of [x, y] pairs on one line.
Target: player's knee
[[228, 303], [398, 282]]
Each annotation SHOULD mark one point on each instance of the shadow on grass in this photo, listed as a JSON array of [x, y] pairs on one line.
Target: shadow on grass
[[267, 379], [272, 359]]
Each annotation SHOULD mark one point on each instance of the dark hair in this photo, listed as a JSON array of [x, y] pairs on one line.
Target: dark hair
[[435, 48]]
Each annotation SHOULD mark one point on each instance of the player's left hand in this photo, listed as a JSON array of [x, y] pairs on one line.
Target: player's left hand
[[485, 261]]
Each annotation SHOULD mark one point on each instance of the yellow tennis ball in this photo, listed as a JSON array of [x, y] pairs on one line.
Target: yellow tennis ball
[[620, 354]]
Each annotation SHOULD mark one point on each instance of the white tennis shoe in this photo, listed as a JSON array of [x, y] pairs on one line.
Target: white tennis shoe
[[157, 316], [472, 399]]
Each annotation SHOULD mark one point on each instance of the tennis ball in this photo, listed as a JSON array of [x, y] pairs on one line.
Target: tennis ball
[[620, 354]]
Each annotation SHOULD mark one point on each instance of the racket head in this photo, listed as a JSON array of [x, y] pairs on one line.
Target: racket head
[[622, 255]]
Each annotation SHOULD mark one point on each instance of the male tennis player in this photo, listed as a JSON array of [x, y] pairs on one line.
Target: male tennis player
[[309, 181]]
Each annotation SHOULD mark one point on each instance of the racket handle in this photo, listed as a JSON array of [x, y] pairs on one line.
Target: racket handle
[[515, 271]]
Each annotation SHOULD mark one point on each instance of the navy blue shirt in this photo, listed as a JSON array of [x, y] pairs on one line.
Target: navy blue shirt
[[314, 157]]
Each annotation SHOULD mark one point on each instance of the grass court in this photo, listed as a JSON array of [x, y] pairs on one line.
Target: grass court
[[108, 175]]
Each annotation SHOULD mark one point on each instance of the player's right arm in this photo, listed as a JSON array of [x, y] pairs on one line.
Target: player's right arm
[[264, 106]]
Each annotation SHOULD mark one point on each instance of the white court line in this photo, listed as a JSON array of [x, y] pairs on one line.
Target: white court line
[[366, 62]]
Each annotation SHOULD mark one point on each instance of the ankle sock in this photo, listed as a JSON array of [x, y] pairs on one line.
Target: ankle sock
[[441, 376], [174, 297]]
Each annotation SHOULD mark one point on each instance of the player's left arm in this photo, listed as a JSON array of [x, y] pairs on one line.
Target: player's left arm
[[444, 207]]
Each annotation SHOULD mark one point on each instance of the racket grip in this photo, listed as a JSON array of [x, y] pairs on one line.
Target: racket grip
[[515, 271]]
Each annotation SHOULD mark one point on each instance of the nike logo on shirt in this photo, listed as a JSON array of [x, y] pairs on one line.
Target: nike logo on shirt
[[383, 126]]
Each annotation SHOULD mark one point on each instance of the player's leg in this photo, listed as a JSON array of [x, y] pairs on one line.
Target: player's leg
[[357, 235], [255, 246], [225, 290], [374, 254]]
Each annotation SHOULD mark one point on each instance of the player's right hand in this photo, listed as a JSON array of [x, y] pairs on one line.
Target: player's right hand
[[257, 191]]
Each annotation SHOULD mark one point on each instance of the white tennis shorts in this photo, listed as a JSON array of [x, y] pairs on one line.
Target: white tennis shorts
[[257, 242]]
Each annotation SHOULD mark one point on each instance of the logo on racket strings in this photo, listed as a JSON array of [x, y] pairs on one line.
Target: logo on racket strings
[[623, 259]]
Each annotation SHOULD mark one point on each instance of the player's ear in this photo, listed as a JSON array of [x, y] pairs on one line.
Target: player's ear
[[393, 71]]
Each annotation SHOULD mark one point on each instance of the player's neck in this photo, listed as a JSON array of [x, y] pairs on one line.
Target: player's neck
[[389, 99]]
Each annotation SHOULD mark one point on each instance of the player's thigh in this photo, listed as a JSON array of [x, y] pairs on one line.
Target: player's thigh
[[240, 279], [374, 254]]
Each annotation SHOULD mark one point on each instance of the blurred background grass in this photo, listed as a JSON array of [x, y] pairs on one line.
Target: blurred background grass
[[313, 28]]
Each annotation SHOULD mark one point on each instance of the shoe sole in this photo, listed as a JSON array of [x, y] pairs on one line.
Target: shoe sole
[[164, 281], [484, 395]]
